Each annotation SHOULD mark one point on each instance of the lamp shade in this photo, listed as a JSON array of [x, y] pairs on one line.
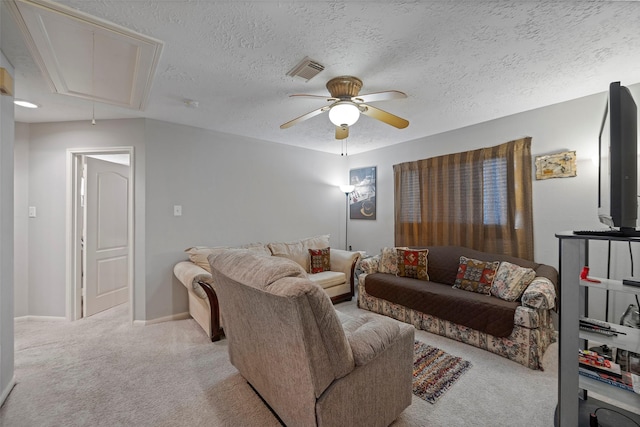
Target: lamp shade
[[344, 113], [347, 188]]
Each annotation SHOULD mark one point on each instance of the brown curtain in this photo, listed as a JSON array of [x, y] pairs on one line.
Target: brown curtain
[[479, 199]]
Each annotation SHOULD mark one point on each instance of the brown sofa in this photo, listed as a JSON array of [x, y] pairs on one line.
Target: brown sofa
[[519, 330], [311, 364]]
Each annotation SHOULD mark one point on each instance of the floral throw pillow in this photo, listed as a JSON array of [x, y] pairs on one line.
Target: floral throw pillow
[[475, 276], [412, 263], [388, 261], [540, 294], [511, 280], [320, 260]]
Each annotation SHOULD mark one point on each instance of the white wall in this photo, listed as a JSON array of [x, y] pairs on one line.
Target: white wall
[[558, 204], [6, 239]]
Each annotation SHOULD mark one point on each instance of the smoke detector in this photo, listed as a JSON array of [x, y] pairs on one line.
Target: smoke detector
[[306, 69]]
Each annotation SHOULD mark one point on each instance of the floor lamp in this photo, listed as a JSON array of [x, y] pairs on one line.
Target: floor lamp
[[346, 189]]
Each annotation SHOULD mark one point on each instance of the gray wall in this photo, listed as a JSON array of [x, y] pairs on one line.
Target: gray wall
[[47, 184], [558, 204], [21, 220], [232, 190], [235, 190], [6, 239]]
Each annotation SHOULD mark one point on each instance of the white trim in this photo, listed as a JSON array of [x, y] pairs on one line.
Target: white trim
[[74, 295], [179, 316], [7, 390], [29, 318], [33, 17]]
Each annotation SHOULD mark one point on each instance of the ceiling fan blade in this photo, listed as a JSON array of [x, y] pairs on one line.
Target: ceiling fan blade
[[304, 117], [342, 132], [380, 96], [304, 95], [385, 117]]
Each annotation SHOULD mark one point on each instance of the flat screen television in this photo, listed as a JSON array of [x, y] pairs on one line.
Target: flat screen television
[[618, 168]]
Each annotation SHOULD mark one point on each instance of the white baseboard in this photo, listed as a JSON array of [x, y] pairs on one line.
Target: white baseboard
[[179, 316], [41, 318], [7, 390]]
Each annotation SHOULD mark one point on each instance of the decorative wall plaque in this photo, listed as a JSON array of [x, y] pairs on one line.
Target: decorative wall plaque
[[560, 165]]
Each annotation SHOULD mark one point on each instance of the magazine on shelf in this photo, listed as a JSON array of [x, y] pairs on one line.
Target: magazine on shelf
[[595, 366], [627, 382]]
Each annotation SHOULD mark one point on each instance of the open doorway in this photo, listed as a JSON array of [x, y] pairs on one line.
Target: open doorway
[[100, 238]]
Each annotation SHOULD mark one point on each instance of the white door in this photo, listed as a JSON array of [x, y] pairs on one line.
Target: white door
[[106, 236]]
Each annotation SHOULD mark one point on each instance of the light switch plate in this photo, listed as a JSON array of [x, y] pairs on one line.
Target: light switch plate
[[177, 210]]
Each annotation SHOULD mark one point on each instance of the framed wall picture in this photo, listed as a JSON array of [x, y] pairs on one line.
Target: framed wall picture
[[362, 200], [559, 165]]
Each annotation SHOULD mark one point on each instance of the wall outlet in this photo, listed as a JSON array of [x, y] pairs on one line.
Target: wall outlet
[[177, 210]]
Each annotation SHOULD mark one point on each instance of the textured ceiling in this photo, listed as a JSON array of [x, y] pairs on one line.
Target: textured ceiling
[[459, 62]]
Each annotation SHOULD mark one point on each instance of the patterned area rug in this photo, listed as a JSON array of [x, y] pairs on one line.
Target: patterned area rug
[[434, 371]]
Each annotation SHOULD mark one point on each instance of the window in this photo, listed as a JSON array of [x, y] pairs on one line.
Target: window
[[410, 187], [480, 199], [494, 190]]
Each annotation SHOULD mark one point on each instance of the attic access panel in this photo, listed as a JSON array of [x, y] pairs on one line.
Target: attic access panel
[[83, 56]]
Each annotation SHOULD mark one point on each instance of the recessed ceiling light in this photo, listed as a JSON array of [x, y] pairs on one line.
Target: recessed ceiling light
[[26, 104]]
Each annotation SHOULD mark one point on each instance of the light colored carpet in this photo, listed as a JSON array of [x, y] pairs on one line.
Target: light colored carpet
[[103, 371]]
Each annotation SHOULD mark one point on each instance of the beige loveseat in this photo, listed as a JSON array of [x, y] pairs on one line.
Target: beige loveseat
[[195, 275], [310, 364]]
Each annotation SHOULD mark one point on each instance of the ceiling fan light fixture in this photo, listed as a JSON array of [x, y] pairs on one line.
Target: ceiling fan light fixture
[[346, 105], [344, 113]]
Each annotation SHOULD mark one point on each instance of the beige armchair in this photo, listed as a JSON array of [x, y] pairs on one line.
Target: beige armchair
[[311, 364]]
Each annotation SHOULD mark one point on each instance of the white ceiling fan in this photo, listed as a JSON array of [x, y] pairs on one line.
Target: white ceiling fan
[[346, 105]]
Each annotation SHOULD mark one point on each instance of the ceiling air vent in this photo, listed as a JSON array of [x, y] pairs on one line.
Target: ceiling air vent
[[306, 69]]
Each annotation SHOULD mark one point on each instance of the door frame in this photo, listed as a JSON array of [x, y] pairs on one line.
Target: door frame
[[74, 227]]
